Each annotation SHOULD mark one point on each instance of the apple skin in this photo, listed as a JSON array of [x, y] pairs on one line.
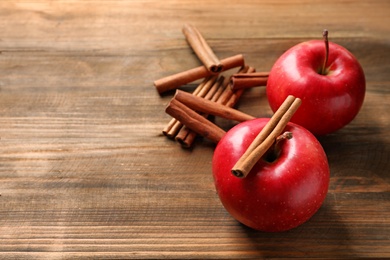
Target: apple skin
[[275, 196], [329, 101]]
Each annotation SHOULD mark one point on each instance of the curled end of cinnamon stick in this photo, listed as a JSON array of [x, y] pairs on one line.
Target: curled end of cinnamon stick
[[238, 173], [184, 143], [216, 68], [202, 49], [248, 80]]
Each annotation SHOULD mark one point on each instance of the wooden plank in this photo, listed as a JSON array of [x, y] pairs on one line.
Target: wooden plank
[[86, 173]]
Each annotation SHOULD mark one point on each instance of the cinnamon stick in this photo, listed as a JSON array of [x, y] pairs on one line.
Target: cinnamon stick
[[266, 137], [249, 80], [237, 93], [228, 92], [171, 124], [174, 126], [202, 49], [194, 121], [234, 98], [174, 129], [209, 107], [213, 93], [174, 81], [223, 95], [215, 89], [206, 88]]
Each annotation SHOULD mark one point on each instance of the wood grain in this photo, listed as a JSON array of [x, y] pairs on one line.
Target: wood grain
[[86, 173]]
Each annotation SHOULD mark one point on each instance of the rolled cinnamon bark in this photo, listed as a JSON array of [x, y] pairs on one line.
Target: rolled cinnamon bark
[[184, 135], [194, 121], [209, 107], [173, 127], [202, 49], [266, 137], [174, 81], [224, 96], [249, 80]]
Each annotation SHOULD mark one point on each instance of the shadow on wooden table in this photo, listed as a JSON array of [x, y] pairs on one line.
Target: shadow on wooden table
[[359, 160], [324, 235]]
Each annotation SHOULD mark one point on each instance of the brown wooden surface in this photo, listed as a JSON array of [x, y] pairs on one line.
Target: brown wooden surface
[[85, 171]]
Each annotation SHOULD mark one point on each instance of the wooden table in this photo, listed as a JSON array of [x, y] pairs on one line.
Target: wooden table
[[86, 172]]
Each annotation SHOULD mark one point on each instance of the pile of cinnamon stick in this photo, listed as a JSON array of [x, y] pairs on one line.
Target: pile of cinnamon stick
[[215, 95]]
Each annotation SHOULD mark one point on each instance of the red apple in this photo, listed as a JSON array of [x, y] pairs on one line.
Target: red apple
[[328, 79], [283, 190]]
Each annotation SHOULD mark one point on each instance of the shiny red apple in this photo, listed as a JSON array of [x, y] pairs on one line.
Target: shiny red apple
[[326, 76], [286, 186]]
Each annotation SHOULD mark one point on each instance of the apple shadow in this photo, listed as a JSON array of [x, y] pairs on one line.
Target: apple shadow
[[324, 235], [353, 153]]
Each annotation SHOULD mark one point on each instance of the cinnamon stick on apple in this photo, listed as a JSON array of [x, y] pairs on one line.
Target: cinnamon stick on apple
[[266, 137]]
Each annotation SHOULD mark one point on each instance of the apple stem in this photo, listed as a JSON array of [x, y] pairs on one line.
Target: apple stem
[[326, 41], [273, 153], [284, 136], [281, 138]]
